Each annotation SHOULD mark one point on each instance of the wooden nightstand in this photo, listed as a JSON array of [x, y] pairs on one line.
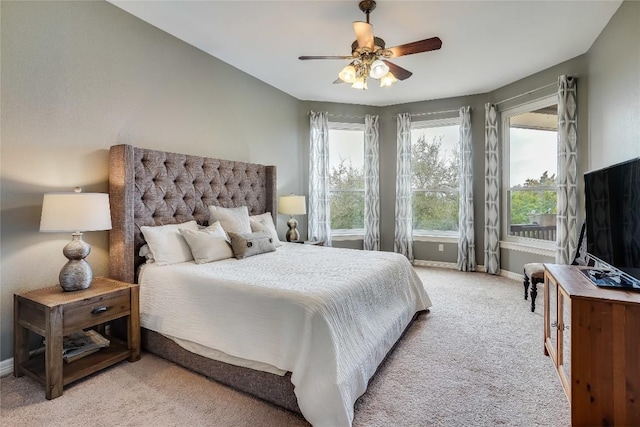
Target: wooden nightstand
[[54, 313]]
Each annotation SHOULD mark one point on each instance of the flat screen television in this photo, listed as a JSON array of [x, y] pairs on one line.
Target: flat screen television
[[612, 207]]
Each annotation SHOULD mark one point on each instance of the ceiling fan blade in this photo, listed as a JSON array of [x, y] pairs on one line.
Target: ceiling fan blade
[[338, 81], [398, 72], [434, 43], [325, 57], [364, 34]]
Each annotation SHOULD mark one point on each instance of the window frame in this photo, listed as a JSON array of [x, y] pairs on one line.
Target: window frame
[[347, 233], [423, 235], [524, 244]]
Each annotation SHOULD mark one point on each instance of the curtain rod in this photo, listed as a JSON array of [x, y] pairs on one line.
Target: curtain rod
[[345, 116], [434, 112], [431, 113], [526, 93]]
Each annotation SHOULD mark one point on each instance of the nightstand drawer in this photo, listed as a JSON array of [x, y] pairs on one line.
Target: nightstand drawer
[[99, 309]]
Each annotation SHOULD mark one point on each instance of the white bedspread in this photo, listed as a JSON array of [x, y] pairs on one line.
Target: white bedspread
[[328, 315]]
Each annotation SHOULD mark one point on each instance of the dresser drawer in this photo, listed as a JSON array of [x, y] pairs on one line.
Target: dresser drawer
[[99, 309]]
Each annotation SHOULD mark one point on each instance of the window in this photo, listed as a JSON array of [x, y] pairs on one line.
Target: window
[[529, 178], [346, 168], [435, 161]]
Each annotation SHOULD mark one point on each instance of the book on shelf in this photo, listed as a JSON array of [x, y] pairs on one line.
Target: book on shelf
[[81, 344]]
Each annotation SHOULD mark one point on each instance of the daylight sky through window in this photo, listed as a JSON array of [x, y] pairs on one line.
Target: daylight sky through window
[[532, 152]]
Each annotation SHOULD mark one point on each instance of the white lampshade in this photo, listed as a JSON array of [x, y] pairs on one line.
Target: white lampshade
[[378, 69], [388, 80], [292, 205], [70, 212], [348, 74]]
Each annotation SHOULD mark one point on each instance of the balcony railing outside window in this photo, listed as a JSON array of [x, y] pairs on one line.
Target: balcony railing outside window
[[534, 231]]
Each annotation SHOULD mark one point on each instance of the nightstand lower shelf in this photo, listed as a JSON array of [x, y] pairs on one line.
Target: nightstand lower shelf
[[116, 352]]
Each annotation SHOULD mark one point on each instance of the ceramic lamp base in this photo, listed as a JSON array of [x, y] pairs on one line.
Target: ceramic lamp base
[[76, 273], [292, 233]]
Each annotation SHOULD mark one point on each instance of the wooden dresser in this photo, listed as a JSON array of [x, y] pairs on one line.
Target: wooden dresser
[[593, 337]]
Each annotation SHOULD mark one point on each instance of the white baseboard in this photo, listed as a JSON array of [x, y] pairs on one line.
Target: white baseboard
[[6, 367], [454, 266], [512, 275], [441, 264], [422, 263]]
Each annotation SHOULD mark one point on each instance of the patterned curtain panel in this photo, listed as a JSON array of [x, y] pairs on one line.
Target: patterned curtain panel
[[319, 227], [466, 239], [371, 184], [491, 191], [567, 227], [403, 239]]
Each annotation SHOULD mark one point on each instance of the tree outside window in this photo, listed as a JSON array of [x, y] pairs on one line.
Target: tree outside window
[[435, 169], [347, 196], [532, 195], [346, 164]]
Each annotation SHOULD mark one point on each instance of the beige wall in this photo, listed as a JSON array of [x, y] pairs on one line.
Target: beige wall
[[78, 77]]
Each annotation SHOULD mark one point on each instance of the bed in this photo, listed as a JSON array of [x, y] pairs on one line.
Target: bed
[[301, 320]]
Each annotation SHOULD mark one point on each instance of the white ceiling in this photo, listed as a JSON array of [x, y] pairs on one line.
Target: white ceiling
[[485, 44]]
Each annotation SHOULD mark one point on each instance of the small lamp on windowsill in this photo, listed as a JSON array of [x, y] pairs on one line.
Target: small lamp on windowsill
[[292, 205], [75, 212]]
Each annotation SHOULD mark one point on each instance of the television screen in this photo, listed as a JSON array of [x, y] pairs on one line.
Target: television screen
[[612, 206]]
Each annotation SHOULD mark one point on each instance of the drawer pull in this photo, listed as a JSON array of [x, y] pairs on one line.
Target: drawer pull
[[100, 309]]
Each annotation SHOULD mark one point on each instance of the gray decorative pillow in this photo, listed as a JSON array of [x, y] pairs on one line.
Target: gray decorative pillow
[[245, 245]]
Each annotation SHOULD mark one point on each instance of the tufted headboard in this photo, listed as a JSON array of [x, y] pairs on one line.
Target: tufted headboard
[[149, 187]]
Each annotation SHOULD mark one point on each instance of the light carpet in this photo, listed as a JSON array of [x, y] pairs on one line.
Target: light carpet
[[475, 360]]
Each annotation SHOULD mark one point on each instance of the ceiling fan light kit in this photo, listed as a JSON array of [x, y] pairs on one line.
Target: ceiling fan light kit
[[369, 55], [348, 74], [378, 69], [361, 83], [387, 80], [357, 73]]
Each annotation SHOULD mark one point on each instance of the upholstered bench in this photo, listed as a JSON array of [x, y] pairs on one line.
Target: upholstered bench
[[534, 274]]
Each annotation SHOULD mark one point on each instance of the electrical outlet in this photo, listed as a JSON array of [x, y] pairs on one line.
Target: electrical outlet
[[441, 247]]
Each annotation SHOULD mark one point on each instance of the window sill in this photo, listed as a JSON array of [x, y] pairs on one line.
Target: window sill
[[532, 247], [345, 235], [435, 237]]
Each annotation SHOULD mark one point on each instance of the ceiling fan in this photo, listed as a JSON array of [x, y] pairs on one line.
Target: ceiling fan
[[369, 55]]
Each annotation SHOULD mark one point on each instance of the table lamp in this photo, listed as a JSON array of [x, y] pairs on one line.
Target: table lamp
[[75, 212], [292, 205]]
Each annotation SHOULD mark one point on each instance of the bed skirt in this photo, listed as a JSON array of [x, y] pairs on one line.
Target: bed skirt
[[270, 387], [273, 388]]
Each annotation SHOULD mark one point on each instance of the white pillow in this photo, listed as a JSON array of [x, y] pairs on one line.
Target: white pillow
[[167, 244], [234, 220], [264, 222], [208, 245]]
